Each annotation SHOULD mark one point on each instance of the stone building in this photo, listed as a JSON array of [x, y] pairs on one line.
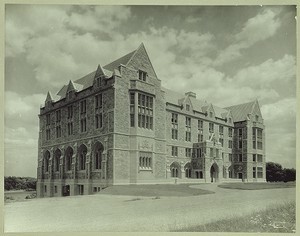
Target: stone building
[[118, 125]]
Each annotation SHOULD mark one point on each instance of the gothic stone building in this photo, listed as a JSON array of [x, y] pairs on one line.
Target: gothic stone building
[[118, 125]]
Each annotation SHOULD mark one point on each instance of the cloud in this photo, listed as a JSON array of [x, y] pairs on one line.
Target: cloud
[[261, 27]]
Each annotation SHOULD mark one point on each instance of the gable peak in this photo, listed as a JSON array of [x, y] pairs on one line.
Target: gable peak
[[49, 97]]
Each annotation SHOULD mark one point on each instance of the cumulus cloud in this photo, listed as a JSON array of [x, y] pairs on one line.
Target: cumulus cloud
[[261, 27]]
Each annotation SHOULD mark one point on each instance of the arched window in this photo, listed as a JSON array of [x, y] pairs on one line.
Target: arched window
[[46, 161], [82, 151], [188, 170], [68, 158], [98, 150], [57, 156], [175, 170]]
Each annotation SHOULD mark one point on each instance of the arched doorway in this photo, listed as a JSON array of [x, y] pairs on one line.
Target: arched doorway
[[214, 173]]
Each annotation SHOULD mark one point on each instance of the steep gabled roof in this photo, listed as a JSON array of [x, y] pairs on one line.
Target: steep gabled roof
[[49, 97], [122, 60], [220, 112], [240, 112]]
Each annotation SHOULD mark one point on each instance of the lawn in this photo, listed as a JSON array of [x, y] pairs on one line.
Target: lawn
[[276, 219], [157, 190], [257, 186]]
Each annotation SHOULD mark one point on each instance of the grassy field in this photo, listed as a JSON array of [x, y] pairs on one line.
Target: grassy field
[[158, 190], [257, 186], [16, 196], [276, 219]]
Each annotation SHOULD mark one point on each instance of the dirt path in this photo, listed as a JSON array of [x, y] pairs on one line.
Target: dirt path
[[125, 213]]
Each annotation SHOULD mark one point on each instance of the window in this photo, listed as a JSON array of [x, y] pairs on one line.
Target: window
[[230, 157], [198, 153], [240, 132], [83, 125], [174, 151], [221, 141], [145, 111], [259, 145], [259, 158], [45, 188], [259, 133], [70, 128], [83, 107], [187, 107], [55, 189], [254, 172], [211, 151], [210, 114], [188, 152], [142, 75], [145, 161], [58, 131], [240, 144], [188, 129], [99, 120], [48, 119], [57, 161], [221, 130], [70, 112], [259, 172], [98, 101], [48, 134], [229, 143], [132, 109], [200, 124], [254, 144], [98, 156], [254, 157], [200, 138], [58, 116], [240, 157], [99, 82], [230, 132], [211, 127], [82, 160], [174, 121]]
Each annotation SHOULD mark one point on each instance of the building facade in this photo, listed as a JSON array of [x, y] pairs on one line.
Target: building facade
[[118, 125]]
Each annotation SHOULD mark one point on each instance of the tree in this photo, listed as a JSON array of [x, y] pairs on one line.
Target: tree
[[274, 172], [289, 174]]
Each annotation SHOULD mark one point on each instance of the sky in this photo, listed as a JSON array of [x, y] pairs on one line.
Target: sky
[[227, 55]]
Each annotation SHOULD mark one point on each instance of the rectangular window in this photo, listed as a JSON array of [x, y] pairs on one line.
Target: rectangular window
[[145, 161], [70, 128], [259, 172], [211, 127], [142, 75], [200, 138], [240, 157], [230, 132], [254, 172], [254, 157], [132, 109], [70, 112], [221, 141], [187, 107], [211, 152], [254, 144], [48, 135], [240, 132], [48, 119], [229, 143], [221, 130], [58, 131], [174, 151], [145, 111], [240, 144], [230, 157], [55, 189], [99, 120], [98, 101], [83, 125], [259, 158], [198, 152], [200, 124], [58, 116], [83, 107], [259, 133], [259, 145], [188, 152], [45, 188], [174, 121], [188, 129]]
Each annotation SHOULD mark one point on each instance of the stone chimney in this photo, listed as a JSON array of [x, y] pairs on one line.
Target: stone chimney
[[190, 94]]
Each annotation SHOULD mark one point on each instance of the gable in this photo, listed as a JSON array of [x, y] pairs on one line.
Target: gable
[[140, 61]]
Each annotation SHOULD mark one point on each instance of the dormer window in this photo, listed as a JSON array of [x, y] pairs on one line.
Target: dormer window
[[256, 118], [142, 75], [210, 114], [229, 120], [187, 107], [69, 94], [98, 82]]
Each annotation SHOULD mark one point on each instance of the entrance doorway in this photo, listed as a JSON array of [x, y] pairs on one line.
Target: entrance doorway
[[80, 189], [240, 175], [66, 190], [214, 173]]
